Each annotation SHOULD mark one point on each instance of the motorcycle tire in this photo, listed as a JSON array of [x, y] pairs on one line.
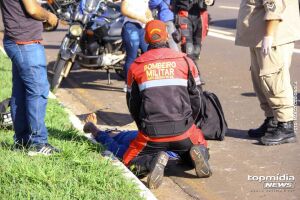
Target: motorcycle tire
[[59, 70]]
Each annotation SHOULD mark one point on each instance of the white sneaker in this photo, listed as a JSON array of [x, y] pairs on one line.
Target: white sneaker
[[125, 88]]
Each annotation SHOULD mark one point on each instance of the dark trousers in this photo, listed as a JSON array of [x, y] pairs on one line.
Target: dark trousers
[[143, 149], [191, 34]]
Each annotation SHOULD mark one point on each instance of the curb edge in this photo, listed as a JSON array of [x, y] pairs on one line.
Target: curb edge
[[144, 191]]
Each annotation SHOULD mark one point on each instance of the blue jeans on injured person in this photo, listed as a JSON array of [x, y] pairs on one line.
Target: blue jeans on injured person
[[29, 93], [133, 36]]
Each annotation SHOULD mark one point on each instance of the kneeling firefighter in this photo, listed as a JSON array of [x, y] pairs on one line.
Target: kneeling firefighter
[[163, 98]]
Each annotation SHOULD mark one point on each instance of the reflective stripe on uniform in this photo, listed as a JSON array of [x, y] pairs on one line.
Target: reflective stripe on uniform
[[163, 82], [197, 80]]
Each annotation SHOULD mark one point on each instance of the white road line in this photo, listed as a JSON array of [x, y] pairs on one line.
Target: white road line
[[231, 38], [229, 7], [222, 36], [220, 31]]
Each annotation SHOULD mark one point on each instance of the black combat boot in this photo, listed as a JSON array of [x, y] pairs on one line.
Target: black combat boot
[[200, 156], [268, 126], [284, 133], [158, 164]]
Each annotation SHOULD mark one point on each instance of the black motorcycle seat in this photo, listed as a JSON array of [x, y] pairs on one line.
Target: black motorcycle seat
[[115, 29]]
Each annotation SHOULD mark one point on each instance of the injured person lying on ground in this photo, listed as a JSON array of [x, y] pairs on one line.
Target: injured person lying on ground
[[117, 142], [164, 107]]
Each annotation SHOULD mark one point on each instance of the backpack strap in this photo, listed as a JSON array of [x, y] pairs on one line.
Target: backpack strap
[[190, 74], [194, 93]]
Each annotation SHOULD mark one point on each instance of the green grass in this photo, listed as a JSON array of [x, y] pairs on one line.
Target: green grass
[[78, 172]]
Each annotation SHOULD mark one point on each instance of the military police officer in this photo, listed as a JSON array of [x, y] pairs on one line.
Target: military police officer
[[270, 28]]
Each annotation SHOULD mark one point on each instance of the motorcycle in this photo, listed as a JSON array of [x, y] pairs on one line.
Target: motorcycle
[[63, 9], [93, 41]]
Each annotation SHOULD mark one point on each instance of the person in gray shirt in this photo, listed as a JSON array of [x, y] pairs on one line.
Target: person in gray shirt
[[22, 43]]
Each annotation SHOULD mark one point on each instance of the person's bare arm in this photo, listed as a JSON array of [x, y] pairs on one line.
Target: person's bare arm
[[128, 13], [271, 26], [37, 12]]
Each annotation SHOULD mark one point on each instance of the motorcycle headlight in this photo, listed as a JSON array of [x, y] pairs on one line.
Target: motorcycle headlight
[[76, 30]]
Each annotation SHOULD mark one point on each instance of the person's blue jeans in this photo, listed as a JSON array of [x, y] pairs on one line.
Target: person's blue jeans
[[133, 38], [29, 93]]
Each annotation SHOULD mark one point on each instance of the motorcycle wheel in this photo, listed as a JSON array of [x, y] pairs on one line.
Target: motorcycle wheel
[[59, 70]]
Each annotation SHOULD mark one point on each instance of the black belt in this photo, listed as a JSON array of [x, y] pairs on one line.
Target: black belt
[[166, 129]]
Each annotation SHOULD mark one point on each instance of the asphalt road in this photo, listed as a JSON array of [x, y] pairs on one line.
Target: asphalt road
[[225, 68]]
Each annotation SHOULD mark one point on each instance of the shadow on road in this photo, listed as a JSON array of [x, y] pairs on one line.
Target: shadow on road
[[240, 134], [114, 119], [50, 66], [59, 30], [249, 94], [85, 79], [179, 169], [227, 23], [97, 87], [110, 118]]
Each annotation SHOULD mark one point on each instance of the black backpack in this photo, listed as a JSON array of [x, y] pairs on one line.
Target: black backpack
[[211, 119]]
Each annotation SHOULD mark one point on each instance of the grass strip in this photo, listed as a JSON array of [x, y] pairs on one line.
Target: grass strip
[[79, 172]]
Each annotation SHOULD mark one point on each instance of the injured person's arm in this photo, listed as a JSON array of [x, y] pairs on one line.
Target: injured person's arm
[[118, 144]]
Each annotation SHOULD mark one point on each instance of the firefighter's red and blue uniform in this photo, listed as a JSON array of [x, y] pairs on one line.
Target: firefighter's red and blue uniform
[[163, 99]]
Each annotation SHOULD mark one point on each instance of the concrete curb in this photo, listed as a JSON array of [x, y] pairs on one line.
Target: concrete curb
[[3, 51], [144, 191]]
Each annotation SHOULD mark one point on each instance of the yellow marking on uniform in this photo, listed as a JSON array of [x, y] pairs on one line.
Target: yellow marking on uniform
[[160, 70], [155, 29]]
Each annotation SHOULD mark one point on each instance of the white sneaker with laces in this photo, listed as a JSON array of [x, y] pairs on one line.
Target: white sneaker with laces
[[43, 149]]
